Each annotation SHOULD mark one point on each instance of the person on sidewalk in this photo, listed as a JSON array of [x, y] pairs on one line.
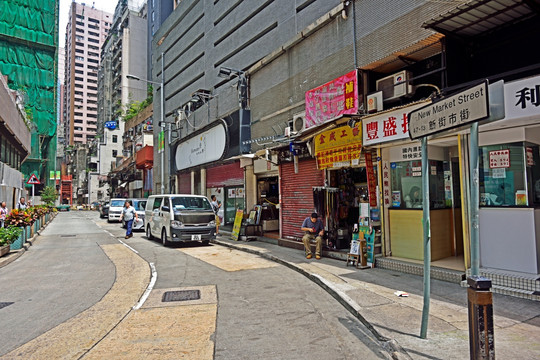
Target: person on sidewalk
[[314, 229], [216, 205], [128, 214], [22, 205], [3, 213]]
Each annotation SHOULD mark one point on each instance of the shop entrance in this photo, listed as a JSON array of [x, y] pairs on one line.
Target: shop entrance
[[234, 200], [343, 210], [268, 198]]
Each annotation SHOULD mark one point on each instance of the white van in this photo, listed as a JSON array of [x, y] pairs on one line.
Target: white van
[[115, 209], [180, 218]]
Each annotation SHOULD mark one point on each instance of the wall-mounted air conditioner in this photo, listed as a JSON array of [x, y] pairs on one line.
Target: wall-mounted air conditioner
[[392, 91], [299, 122]]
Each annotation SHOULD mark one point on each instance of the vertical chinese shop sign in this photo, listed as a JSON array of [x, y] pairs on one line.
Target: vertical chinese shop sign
[[372, 181], [332, 100]]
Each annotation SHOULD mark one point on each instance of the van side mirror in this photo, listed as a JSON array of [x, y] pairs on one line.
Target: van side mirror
[[165, 208]]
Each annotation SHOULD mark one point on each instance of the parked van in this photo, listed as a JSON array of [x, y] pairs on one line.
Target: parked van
[[115, 209], [180, 218]]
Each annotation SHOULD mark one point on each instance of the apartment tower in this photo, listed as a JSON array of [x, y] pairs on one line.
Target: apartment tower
[[86, 31]]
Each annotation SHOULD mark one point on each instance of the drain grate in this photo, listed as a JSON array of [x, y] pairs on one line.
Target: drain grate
[[182, 295], [68, 235], [5, 304]]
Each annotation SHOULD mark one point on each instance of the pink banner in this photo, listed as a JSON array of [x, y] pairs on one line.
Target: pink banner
[[332, 100]]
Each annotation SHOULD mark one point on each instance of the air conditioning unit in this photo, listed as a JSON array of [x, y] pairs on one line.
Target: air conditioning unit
[[392, 91], [299, 122]]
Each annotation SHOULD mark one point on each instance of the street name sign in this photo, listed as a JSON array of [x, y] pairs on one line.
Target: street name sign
[[457, 110], [33, 180]]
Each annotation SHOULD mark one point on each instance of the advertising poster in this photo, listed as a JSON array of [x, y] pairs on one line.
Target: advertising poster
[[237, 224]]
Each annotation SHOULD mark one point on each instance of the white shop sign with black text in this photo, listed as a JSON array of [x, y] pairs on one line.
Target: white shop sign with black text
[[206, 147], [460, 109]]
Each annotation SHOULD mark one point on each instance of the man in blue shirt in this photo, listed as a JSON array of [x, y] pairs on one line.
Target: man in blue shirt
[[314, 229]]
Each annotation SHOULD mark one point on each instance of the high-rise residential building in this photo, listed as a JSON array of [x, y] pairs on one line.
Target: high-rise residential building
[[28, 58], [87, 29]]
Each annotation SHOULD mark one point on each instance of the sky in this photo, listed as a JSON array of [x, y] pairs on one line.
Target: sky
[[106, 5]]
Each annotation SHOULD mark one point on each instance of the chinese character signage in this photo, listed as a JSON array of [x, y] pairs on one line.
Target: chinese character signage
[[388, 126], [338, 147], [522, 98], [460, 109], [387, 197], [161, 141], [371, 180], [332, 100], [499, 159]]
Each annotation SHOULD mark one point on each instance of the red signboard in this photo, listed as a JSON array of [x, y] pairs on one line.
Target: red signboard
[[332, 100], [371, 180]]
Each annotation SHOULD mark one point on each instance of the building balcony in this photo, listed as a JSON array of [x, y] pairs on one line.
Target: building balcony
[[145, 158]]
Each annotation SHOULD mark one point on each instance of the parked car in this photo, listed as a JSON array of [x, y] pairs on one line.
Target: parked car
[[104, 210], [139, 205], [115, 209], [180, 218]]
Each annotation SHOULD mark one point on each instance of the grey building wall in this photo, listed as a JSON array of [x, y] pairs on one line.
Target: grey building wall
[[158, 12], [201, 36]]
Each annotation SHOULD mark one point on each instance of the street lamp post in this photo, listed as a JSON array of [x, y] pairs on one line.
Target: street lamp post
[[162, 114]]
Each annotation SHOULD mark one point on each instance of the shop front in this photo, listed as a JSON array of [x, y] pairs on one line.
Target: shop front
[[205, 164], [267, 174], [401, 183], [509, 179]]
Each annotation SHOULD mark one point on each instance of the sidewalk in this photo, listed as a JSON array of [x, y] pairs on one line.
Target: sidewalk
[[369, 296]]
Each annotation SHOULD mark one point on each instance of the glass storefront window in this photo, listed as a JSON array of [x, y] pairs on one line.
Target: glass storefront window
[[502, 175], [406, 184]]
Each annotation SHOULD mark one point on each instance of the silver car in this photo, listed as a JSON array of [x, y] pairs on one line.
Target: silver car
[[139, 205]]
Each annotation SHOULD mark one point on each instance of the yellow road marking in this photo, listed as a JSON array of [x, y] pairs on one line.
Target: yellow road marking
[[74, 337], [181, 332], [228, 259]]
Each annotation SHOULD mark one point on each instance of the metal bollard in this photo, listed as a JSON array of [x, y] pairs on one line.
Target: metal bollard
[[480, 303]]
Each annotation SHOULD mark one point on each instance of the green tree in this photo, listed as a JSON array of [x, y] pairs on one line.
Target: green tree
[[49, 195]]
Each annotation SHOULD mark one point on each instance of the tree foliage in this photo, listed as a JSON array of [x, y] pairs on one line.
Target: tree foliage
[[49, 195]]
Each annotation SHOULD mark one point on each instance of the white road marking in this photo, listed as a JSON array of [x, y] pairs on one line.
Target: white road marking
[[148, 289]]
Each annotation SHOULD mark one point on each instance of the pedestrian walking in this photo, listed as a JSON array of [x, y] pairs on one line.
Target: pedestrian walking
[[314, 229], [22, 205], [3, 213], [128, 214], [216, 205]]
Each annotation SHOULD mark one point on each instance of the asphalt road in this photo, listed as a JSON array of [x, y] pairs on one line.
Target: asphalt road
[[251, 307]]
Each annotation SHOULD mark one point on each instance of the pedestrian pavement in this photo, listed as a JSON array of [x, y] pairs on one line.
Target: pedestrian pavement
[[370, 295]]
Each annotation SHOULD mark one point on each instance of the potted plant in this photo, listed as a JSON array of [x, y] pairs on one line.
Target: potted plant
[[10, 238]]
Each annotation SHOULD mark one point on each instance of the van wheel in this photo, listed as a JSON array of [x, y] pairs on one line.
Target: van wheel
[[149, 233], [164, 238]]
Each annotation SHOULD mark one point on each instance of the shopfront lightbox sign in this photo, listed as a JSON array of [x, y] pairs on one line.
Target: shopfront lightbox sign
[[499, 159], [332, 100], [202, 148], [388, 126], [450, 112], [339, 147], [522, 98]]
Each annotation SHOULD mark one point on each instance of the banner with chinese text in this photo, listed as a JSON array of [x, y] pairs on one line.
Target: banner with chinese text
[[332, 100], [338, 147]]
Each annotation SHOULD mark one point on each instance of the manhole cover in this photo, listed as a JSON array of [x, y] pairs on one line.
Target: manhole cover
[[182, 295], [68, 235], [5, 304]]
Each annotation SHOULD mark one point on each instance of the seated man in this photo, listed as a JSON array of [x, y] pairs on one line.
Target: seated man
[[313, 226]]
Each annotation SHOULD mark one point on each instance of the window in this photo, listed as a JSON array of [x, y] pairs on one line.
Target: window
[[115, 138], [406, 185], [115, 153], [157, 203], [508, 176], [92, 33]]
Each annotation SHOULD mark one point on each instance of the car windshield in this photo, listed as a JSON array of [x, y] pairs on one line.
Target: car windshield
[[118, 203], [139, 205], [191, 203]]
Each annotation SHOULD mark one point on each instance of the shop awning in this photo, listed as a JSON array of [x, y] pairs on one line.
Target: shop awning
[[479, 17], [417, 51]]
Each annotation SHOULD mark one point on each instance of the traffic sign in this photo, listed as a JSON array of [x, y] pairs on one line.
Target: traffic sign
[[33, 180]]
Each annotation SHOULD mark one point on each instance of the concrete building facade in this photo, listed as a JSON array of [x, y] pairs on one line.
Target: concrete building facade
[[85, 33]]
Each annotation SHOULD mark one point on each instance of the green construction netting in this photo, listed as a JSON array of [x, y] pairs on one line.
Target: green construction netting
[[28, 56]]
